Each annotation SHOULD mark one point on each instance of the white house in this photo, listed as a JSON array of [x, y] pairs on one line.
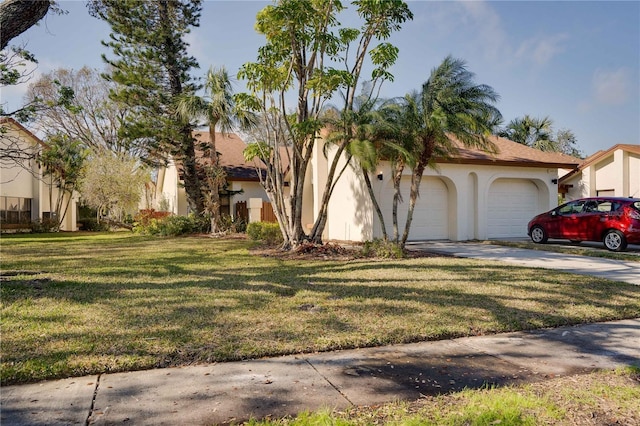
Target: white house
[[241, 176], [473, 195], [614, 172], [25, 194]]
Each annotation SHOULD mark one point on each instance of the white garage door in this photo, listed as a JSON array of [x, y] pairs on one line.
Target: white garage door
[[431, 214], [512, 203]]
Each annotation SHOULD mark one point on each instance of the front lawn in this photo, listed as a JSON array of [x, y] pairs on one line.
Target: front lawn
[[75, 304]]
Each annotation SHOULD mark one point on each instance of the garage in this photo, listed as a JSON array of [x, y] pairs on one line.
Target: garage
[[511, 204], [431, 214]]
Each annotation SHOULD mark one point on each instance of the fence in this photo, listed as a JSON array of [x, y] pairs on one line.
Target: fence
[[266, 212]]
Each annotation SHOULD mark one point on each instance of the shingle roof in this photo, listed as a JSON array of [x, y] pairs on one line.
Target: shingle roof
[[510, 153], [230, 148]]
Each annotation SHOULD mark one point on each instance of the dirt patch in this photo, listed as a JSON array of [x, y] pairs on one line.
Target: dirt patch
[[329, 251], [310, 251]]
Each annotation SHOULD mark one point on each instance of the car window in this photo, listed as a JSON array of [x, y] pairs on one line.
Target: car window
[[572, 207], [590, 207], [605, 206], [636, 204]]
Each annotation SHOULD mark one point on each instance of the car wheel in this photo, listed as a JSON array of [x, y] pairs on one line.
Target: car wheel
[[614, 240], [538, 235]]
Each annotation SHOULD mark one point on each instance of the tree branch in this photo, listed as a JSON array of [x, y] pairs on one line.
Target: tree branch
[[17, 16]]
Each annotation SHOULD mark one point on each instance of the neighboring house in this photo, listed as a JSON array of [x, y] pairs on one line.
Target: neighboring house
[[241, 176], [25, 194], [614, 172], [474, 195]]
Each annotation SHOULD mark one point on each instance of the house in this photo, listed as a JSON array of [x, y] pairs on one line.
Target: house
[[614, 172], [473, 195], [242, 177], [25, 193]]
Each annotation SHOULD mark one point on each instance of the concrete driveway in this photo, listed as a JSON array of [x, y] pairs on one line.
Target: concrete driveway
[[616, 270]]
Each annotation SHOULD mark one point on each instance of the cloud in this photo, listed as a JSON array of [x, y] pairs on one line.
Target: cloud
[[487, 29], [612, 87], [541, 50], [480, 27], [196, 46]]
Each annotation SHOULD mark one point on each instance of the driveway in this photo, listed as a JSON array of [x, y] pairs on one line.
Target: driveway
[[610, 269]]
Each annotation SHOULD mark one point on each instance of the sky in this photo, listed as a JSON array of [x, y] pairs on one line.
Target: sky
[[576, 62]]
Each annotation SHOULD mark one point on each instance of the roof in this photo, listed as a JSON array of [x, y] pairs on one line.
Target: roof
[[230, 149], [600, 155], [509, 153]]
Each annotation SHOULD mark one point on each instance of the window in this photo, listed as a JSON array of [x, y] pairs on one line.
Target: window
[[15, 210], [571, 208]]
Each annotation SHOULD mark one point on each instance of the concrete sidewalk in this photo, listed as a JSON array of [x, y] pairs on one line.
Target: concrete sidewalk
[[611, 269], [236, 391]]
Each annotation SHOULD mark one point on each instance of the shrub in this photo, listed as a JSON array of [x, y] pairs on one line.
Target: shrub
[[229, 224], [44, 226], [382, 249], [268, 232], [170, 225], [145, 216], [91, 224]]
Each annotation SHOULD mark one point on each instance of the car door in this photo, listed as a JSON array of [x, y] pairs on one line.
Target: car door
[[606, 214], [568, 220], [588, 222]]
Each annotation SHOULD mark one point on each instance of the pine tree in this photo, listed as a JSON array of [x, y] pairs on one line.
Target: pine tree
[[151, 68]]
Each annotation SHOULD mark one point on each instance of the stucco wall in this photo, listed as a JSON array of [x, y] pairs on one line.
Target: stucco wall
[[618, 173], [350, 211], [17, 181], [634, 176], [26, 181], [351, 215]]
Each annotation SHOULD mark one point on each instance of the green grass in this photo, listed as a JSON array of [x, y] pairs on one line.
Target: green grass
[[605, 397], [86, 303]]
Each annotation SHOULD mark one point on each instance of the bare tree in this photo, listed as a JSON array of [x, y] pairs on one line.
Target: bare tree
[[91, 116]]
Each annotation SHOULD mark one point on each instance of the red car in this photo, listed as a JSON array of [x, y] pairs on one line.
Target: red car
[[613, 220]]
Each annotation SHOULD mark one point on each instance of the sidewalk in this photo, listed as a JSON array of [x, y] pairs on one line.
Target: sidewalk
[[611, 269], [236, 391]]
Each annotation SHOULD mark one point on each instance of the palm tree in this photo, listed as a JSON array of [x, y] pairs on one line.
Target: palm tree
[[449, 104], [530, 131], [221, 112]]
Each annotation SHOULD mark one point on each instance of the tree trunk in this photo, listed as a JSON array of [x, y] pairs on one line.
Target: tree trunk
[[214, 183], [190, 177], [416, 178], [376, 206], [17, 16], [192, 183], [397, 198]]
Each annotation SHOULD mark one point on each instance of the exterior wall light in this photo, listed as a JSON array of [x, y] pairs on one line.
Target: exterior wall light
[[380, 176]]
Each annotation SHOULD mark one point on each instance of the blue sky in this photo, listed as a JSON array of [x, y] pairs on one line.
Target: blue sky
[[577, 62]]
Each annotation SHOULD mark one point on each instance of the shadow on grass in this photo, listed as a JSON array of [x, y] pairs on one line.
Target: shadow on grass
[[140, 303]]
